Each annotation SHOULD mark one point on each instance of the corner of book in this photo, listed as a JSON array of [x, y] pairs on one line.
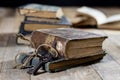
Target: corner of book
[[22, 31], [47, 65]]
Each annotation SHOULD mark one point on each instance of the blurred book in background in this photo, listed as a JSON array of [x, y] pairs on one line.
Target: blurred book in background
[[91, 18], [37, 16]]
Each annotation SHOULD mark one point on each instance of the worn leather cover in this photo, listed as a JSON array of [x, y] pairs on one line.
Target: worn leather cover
[[60, 37]]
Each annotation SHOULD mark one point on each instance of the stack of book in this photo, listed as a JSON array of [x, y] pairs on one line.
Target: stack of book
[[74, 46], [37, 16]]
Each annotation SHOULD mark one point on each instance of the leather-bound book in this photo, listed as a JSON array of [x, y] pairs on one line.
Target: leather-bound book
[[38, 10], [27, 26], [69, 42], [61, 64]]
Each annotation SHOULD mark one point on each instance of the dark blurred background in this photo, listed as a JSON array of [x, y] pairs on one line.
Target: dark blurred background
[[16, 3]]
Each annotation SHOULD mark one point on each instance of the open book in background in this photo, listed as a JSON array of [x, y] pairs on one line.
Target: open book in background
[[90, 17]]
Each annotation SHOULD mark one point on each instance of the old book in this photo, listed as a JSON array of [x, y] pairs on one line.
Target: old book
[[39, 10], [91, 17], [69, 42], [29, 26], [37, 19], [62, 64]]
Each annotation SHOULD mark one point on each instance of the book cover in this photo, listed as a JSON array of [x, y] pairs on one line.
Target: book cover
[[63, 39]]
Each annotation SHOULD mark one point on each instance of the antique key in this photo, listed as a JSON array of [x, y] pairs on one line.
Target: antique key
[[41, 63], [33, 61], [46, 56], [36, 60]]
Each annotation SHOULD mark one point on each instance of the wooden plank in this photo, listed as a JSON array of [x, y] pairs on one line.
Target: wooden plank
[[78, 73], [6, 29], [3, 39], [3, 42], [14, 75], [113, 49], [2, 51], [114, 36], [112, 44], [7, 72], [109, 65], [7, 25], [84, 73], [108, 69], [12, 40], [115, 39]]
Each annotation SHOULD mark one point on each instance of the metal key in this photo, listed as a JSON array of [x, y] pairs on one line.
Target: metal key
[[42, 60]]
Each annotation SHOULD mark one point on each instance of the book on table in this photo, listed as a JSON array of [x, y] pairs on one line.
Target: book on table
[[73, 45], [70, 41]]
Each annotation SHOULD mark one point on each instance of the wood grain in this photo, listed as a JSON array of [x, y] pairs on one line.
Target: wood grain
[[112, 49], [114, 36], [2, 50], [7, 71], [106, 69], [8, 53], [78, 73], [110, 64]]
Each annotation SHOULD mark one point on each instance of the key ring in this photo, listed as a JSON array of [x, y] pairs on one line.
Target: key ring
[[47, 47]]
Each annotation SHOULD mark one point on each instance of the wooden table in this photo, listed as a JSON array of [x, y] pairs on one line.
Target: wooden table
[[107, 69]]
